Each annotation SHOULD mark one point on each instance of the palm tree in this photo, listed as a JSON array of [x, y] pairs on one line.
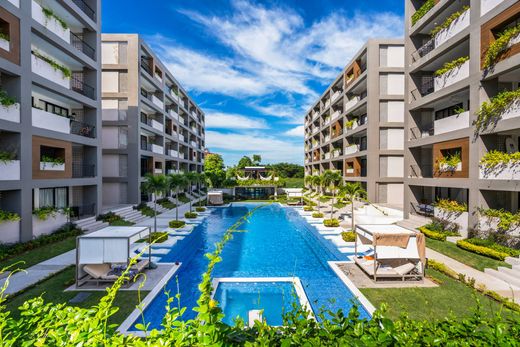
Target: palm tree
[[175, 183], [155, 185], [199, 180], [331, 179], [308, 180], [316, 183], [352, 192], [191, 177]]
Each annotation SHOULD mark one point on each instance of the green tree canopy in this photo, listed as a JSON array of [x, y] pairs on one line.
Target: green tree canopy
[[287, 170], [244, 161], [214, 169]]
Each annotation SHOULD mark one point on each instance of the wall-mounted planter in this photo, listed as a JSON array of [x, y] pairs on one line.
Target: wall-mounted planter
[[158, 102], [50, 23], [10, 113], [44, 69], [455, 27], [157, 125], [48, 166], [455, 122], [509, 171], [335, 95], [352, 102], [451, 77], [349, 171], [48, 226], [512, 112], [5, 45], [46, 120], [10, 231], [157, 149], [351, 149], [448, 168], [459, 218], [490, 225], [353, 126], [10, 170]]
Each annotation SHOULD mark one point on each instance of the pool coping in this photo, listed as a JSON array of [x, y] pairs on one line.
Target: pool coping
[[132, 318]]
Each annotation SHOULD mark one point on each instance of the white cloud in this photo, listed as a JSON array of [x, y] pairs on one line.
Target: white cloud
[[296, 131], [215, 119]]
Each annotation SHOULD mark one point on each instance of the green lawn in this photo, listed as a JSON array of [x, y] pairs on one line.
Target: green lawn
[[451, 297], [37, 255], [121, 223], [52, 291], [476, 261], [293, 182]]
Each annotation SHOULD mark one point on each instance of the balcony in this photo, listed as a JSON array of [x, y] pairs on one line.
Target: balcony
[[421, 171], [451, 77], [326, 104], [146, 65], [15, 3], [181, 137], [158, 102], [336, 153], [336, 114], [315, 130], [488, 5], [336, 95], [172, 113], [173, 153], [50, 121], [193, 144], [327, 156], [156, 125], [78, 43], [51, 22], [79, 86], [80, 170], [351, 125], [42, 67], [10, 170], [51, 166], [315, 115], [327, 120], [10, 113], [85, 8], [459, 24], [351, 149], [326, 138], [172, 171], [352, 102], [157, 171], [82, 129], [157, 149], [5, 44], [455, 122]]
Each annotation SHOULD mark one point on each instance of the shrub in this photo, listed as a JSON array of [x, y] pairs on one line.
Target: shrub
[[182, 198], [156, 237], [443, 227], [494, 246], [200, 209], [309, 202], [5, 99], [317, 215], [175, 224], [6, 216], [43, 213], [507, 220], [486, 252], [451, 206], [348, 236], [452, 18], [433, 264], [166, 203], [435, 235], [448, 66], [421, 12], [145, 210], [450, 162], [490, 111], [500, 45], [331, 223], [495, 158], [190, 215], [308, 208]]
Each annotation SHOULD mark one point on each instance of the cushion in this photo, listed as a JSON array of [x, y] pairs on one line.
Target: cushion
[[404, 269], [97, 270]]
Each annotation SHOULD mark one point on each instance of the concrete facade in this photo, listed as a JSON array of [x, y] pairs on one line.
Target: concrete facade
[[441, 110], [150, 124], [56, 115], [357, 124]]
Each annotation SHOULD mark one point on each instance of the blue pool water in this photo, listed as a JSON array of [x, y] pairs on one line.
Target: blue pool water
[[277, 242], [238, 298]]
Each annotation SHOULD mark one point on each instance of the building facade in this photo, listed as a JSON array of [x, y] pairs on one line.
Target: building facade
[[49, 118], [461, 109], [150, 124], [356, 126]]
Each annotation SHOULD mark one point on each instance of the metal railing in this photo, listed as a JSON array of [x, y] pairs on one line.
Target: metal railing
[[425, 88], [146, 146], [83, 170], [425, 209], [79, 86], [81, 45], [82, 129], [85, 8], [421, 171], [423, 50], [416, 133]]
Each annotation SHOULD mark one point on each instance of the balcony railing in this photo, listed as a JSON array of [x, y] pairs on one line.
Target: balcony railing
[[81, 45], [79, 86], [83, 170], [145, 65], [423, 171], [423, 50], [85, 8], [82, 129], [426, 87]]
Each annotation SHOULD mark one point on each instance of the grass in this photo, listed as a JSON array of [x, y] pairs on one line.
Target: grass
[[52, 290], [183, 199], [293, 182], [37, 255], [325, 198], [339, 205], [476, 261], [121, 223], [451, 297]]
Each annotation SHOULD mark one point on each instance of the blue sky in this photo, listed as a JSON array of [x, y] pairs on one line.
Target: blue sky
[[255, 67]]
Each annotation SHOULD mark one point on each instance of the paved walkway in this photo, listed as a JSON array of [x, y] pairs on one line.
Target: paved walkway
[[36, 273]]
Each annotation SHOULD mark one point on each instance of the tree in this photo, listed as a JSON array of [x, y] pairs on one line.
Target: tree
[[244, 161], [191, 177], [352, 192], [331, 179], [308, 180], [155, 185], [175, 183], [316, 183], [257, 159], [214, 170], [288, 170]]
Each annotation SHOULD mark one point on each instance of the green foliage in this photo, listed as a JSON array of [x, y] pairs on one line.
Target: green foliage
[[308, 208], [487, 252], [146, 210], [43, 213], [448, 66], [54, 161], [494, 158], [183, 198], [4, 36], [166, 203], [453, 17], [244, 161], [253, 182], [507, 220], [500, 45], [432, 234], [441, 267], [450, 161], [494, 246], [350, 123], [442, 227], [67, 73], [491, 111], [6, 157], [214, 169], [451, 206], [287, 170], [175, 224], [348, 236], [156, 237], [421, 12], [114, 219], [5, 99], [190, 215], [49, 14], [317, 215], [200, 209], [331, 223], [6, 216]]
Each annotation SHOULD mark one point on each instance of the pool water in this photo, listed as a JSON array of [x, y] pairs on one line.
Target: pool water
[[238, 298], [276, 242]]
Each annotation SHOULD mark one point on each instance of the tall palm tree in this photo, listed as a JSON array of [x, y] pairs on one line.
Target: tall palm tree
[[191, 177], [175, 183], [155, 185], [331, 179], [352, 192], [308, 180], [316, 183]]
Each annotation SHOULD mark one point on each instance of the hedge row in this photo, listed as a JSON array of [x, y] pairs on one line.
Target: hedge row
[[487, 252], [432, 234], [331, 223]]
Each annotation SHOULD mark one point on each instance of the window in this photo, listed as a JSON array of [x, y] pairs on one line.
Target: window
[[50, 107], [448, 111], [53, 197]]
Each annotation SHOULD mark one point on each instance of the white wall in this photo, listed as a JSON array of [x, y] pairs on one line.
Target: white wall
[[110, 109], [391, 56], [112, 193], [110, 81], [110, 165], [395, 193], [391, 111], [395, 84], [392, 166], [110, 52], [391, 139], [110, 136]]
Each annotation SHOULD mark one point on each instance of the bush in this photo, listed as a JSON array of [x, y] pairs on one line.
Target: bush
[[145, 210], [175, 224], [157, 237], [435, 235], [433, 264], [331, 223], [190, 215], [348, 236], [182, 198], [317, 215], [494, 246], [200, 209], [486, 252], [166, 203], [308, 208]]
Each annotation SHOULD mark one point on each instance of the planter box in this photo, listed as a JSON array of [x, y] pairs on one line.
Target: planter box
[[352, 102], [157, 149], [507, 171], [157, 77], [488, 5], [10, 113], [45, 166], [512, 112], [327, 104], [10, 171], [157, 102], [335, 95], [181, 137], [451, 77], [50, 23], [452, 123], [349, 171], [335, 115], [15, 2], [326, 139], [157, 125], [351, 149], [48, 226], [5, 45], [490, 225], [173, 113], [44, 69], [446, 168], [157, 171], [10, 232], [46, 120], [459, 218], [173, 153], [327, 155], [354, 126], [455, 27]]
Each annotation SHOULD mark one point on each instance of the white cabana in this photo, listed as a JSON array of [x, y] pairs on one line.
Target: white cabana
[[215, 197], [397, 251], [294, 193], [110, 245]]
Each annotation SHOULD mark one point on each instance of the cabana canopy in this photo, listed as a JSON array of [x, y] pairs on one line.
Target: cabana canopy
[[215, 198]]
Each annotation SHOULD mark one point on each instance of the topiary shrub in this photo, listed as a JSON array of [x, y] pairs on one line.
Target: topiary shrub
[[156, 237], [331, 223], [348, 236], [190, 215], [200, 209], [432, 234], [317, 215], [308, 208], [175, 224], [486, 252], [494, 246]]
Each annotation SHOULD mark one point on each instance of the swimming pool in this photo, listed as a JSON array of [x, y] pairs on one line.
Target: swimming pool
[[277, 242]]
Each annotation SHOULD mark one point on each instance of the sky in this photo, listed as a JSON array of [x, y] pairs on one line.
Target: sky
[[255, 67]]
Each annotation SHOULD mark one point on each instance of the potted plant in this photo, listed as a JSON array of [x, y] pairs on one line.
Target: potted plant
[[9, 166], [351, 124], [48, 163], [450, 163]]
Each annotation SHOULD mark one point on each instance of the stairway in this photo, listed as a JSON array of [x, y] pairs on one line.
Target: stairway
[[510, 276], [90, 224], [129, 214], [413, 222], [160, 209]]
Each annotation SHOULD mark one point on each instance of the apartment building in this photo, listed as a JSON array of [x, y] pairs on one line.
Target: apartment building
[[356, 126], [461, 109], [150, 124], [49, 114]]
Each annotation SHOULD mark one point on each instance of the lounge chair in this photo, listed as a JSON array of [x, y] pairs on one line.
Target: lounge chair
[[141, 265], [99, 273]]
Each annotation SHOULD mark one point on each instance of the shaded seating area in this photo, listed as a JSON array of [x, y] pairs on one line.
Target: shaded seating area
[[397, 253], [216, 198], [294, 196], [102, 256]]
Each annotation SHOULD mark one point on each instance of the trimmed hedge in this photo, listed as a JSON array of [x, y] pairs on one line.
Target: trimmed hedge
[[175, 224], [486, 252], [331, 223], [190, 215], [157, 237], [494, 246], [432, 234], [166, 203], [308, 208], [317, 215], [200, 209], [348, 236]]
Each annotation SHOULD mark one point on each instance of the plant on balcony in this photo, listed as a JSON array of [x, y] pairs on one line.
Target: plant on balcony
[[43, 213], [4, 36], [506, 220], [491, 111], [451, 205], [448, 66], [6, 216], [459, 110], [67, 73], [496, 158], [5, 99], [49, 14], [452, 18], [421, 12], [6, 157], [500, 45], [449, 162], [54, 161], [350, 123]]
